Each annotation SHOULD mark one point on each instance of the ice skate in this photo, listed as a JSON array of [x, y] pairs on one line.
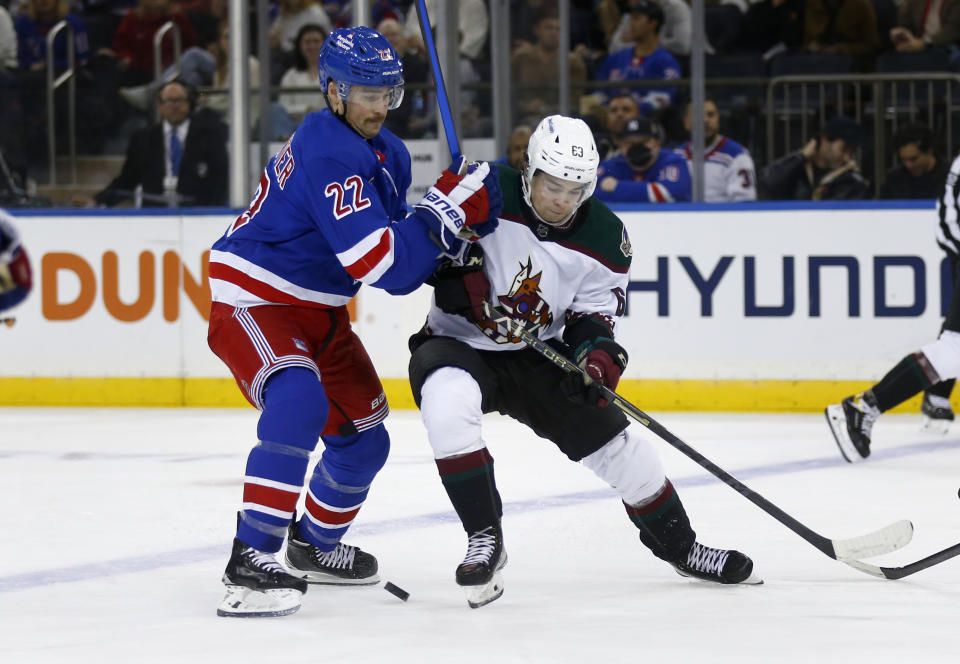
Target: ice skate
[[717, 565], [257, 586], [345, 565], [937, 413], [850, 422], [479, 574]]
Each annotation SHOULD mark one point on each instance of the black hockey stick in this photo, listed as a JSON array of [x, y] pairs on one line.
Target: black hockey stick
[[906, 570], [885, 540]]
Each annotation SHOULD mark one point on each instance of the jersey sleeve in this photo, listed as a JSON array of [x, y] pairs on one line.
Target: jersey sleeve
[[355, 221], [741, 179], [670, 184], [602, 297]]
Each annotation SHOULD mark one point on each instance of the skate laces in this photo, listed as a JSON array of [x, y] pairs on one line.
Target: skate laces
[[868, 411], [263, 560], [340, 558], [480, 546], [705, 559]]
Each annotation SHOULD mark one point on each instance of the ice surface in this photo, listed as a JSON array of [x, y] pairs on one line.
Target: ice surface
[[117, 524]]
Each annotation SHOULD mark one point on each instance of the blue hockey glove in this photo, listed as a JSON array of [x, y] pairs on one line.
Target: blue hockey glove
[[464, 203]]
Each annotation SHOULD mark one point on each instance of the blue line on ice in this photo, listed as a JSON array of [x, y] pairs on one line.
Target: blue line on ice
[[202, 554]]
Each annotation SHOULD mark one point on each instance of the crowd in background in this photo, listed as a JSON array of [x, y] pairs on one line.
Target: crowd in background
[[634, 42]]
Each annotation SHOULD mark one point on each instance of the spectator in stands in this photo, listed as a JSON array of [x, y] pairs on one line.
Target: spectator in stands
[[341, 11], [132, 48], [473, 25], [416, 116], [642, 172], [846, 27], [921, 172], [202, 67], [8, 41], [621, 109], [728, 170], [32, 27], [294, 106], [293, 15], [181, 160], [772, 26], [648, 60], [924, 24], [534, 68], [676, 32], [517, 147], [824, 169]]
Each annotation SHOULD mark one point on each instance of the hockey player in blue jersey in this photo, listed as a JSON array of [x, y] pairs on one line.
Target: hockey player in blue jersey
[[329, 215], [642, 172], [15, 276]]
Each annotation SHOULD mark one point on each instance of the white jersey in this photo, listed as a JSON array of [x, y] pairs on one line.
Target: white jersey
[[544, 275], [948, 210], [728, 171]]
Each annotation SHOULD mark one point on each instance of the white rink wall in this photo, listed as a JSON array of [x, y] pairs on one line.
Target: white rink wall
[[748, 292]]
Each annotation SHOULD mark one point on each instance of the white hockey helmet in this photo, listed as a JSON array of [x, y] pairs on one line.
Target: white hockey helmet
[[564, 148]]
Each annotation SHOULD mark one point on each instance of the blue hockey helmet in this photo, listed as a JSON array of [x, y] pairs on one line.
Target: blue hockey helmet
[[361, 56]]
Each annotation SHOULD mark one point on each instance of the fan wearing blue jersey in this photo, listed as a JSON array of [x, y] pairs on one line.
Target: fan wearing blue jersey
[[15, 276], [642, 172], [329, 214]]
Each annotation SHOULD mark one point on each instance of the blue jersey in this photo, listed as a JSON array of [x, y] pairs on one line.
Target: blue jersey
[[666, 181], [625, 66], [329, 214]]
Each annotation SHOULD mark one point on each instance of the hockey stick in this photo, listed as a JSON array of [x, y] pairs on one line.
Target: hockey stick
[[906, 570], [885, 540], [446, 116]]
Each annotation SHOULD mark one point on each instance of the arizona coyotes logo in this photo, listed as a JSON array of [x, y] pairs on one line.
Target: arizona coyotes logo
[[524, 303]]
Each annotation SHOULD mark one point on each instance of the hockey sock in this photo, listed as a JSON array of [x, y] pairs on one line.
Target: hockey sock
[[911, 375], [276, 467], [340, 484], [663, 524], [469, 482], [943, 388]]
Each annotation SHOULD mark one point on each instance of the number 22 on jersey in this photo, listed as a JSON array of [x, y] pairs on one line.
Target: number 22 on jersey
[[344, 203]]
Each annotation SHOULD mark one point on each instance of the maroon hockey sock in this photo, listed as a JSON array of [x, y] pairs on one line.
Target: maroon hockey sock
[[469, 482], [663, 525]]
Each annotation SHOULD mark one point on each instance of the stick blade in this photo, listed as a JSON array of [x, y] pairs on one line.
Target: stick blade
[[891, 538], [866, 568]]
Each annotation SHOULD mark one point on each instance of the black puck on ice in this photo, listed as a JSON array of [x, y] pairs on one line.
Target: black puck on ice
[[396, 591]]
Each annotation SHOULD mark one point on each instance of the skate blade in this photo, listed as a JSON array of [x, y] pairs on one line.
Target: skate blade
[[242, 602], [838, 427], [937, 426], [321, 579], [752, 580], [478, 596]]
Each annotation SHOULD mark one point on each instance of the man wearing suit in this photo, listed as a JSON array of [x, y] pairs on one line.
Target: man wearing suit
[[182, 160]]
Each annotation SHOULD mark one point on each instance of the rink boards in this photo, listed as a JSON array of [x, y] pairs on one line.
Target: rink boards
[[737, 307]]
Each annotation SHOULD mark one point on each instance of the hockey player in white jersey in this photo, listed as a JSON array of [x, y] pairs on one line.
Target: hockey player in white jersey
[[851, 421], [558, 262], [728, 171]]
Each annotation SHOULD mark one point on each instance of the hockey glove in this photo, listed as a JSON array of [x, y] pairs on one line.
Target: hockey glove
[[462, 289], [602, 362], [15, 278], [463, 204]]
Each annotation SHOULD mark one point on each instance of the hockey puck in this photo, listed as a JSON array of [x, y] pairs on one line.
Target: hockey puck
[[396, 591]]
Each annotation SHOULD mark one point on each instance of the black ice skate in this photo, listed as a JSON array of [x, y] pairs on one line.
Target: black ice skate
[[850, 422], [345, 565], [937, 413], [257, 586], [717, 565], [479, 573]]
